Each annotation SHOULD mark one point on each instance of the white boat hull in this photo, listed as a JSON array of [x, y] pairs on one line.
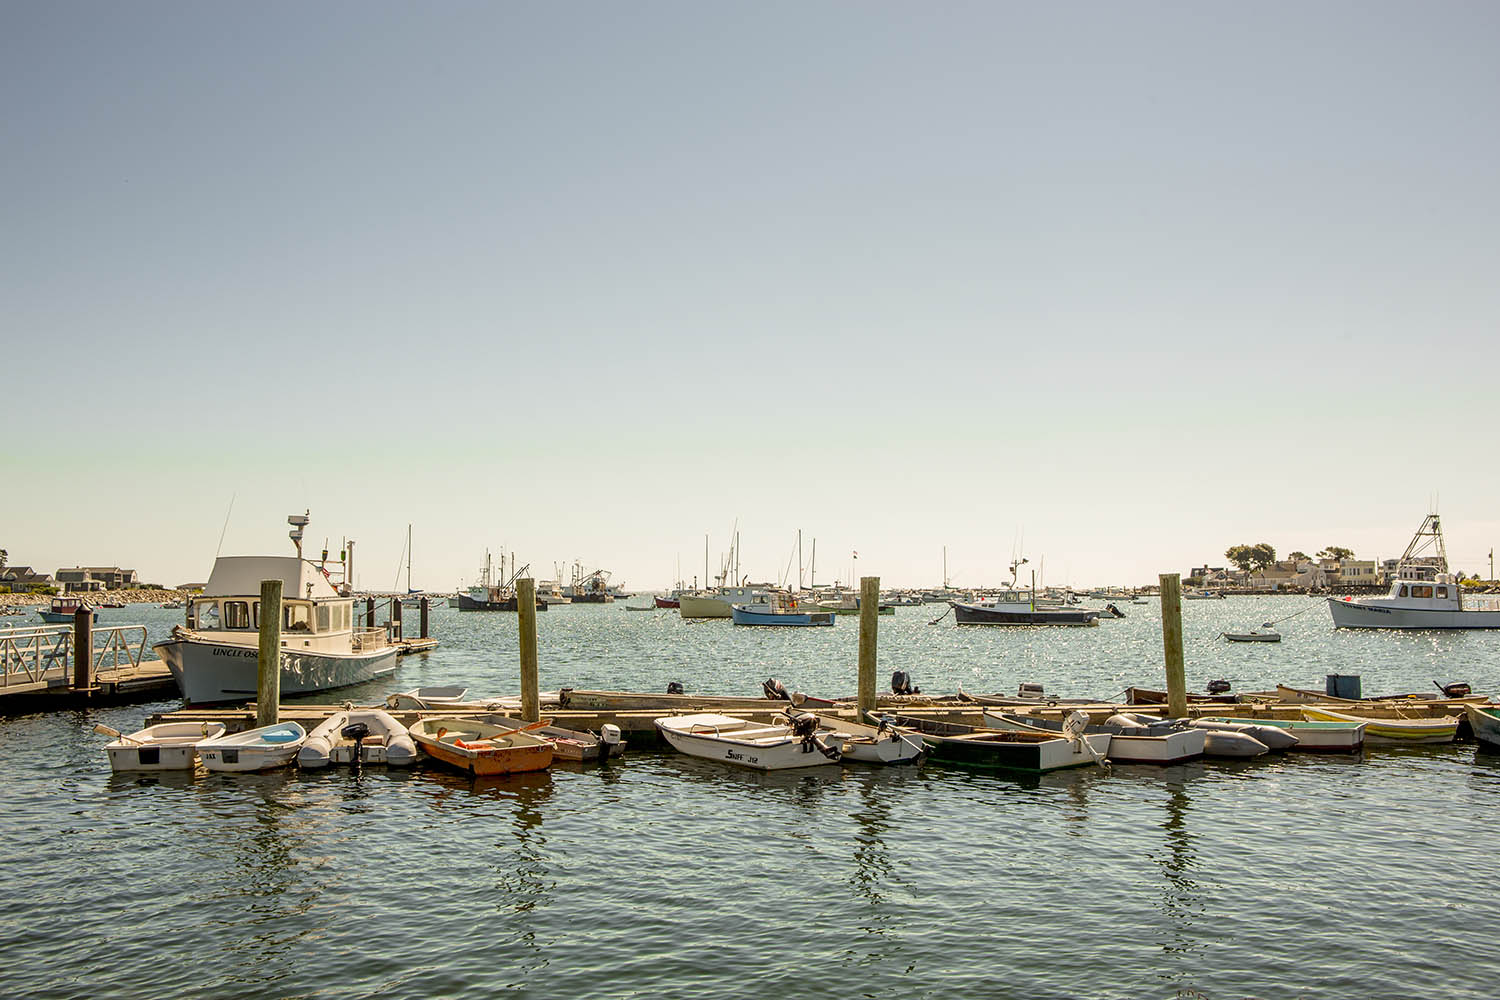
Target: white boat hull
[[772, 753], [1168, 748], [170, 746], [247, 752], [1382, 613], [389, 741], [210, 672]]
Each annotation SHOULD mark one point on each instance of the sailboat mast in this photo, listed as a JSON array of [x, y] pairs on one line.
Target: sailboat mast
[[945, 567], [705, 560], [408, 558], [799, 559], [812, 574]]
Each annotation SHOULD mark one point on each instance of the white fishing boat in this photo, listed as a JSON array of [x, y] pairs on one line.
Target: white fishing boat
[[253, 750], [885, 743], [1312, 737], [214, 657], [170, 746], [1394, 730], [764, 746], [1129, 743], [1422, 596], [374, 734]]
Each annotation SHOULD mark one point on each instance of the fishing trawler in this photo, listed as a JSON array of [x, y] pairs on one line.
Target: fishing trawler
[[214, 657], [1423, 595]]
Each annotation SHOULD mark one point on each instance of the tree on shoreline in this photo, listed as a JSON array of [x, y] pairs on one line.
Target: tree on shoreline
[[1336, 552], [1251, 558]]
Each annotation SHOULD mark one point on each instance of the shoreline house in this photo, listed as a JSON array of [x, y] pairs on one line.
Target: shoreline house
[[20, 579], [79, 579]]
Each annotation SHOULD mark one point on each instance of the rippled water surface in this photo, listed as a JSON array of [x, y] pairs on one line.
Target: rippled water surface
[[664, 876]]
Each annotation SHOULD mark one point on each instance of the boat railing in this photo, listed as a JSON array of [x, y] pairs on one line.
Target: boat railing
[[367, 639], [44, 654]]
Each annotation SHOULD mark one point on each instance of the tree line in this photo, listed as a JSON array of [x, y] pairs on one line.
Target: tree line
[[1254, 558]]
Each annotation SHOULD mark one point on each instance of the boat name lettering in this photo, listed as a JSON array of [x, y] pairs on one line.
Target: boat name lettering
[[236, 652]]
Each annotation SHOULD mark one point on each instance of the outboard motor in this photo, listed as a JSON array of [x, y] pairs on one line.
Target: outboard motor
[[901, 683], [356, 731], [1116, 611], [609, 740], [1456, 690], [805, 726], [675, 687], [775, 690], [1029, 690], [1218, 686]]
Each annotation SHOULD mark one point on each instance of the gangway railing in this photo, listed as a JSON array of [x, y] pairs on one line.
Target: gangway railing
[[44, 654]]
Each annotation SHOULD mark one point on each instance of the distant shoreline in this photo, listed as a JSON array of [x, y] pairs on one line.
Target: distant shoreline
[[133, 595]]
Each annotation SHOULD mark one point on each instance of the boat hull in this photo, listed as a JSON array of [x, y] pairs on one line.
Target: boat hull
[[388, 742], [1313, 737], [703, 607], [510, 752], [761, 753], [1485, 721], [170, 746], [1392, 731], [251, 751], [1176, 747], [61, 618], [975, 614], [209, 672], [467, 603], [1349, 613], [751, 615]]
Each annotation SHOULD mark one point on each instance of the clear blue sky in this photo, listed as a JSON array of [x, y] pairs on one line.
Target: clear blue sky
[[1132, 282]]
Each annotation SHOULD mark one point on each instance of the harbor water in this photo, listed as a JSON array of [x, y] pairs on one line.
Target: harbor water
[[659, 875]]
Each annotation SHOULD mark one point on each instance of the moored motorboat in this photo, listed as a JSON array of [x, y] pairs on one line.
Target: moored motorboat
[[782, 609], [567, 744], [64, 611], [214, 657], [169, 746], [1266, 633], [1005, 750], [253, 750], [719, 603], [1019, 607], [1423, 594], [1128, 744], [480, 748], [1312, 737], [1391, 731], [787, 743], [373, 734]]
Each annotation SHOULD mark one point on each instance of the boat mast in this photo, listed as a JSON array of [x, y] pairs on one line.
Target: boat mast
[[799, 559], [408, 558], [945, 567], [812, 574], [705, 560]]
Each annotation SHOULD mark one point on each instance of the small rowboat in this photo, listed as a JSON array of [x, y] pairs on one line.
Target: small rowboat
[[1263, 634], [997, 749], [1272, 737], [1485, 720], [253, 750], [480, 748], [378, 737], [775, 746], [1439, 730], [567, 744], [1312, 737], [1128, 744], [1218, 741], [886, 743], [171, 746]]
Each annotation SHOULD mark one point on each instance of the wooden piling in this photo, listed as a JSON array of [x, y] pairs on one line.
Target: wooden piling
[[531, 703], [424, 618], [83, 646], [1171, 642], [268, 661], [396, 618], [369, 612], [869, 623]]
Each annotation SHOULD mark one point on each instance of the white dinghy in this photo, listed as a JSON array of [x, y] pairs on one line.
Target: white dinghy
[[886, 743], [1274, 737], [253, 750], [1217, 742], [376, 734], [777, 746], [171, 746]]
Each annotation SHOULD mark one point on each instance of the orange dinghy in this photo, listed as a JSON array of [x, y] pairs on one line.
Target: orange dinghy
[[480, 748]]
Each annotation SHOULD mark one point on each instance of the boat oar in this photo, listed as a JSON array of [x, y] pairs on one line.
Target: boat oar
[[104, 730]]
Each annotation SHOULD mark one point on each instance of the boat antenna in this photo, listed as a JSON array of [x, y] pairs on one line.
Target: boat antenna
[[226, 525]]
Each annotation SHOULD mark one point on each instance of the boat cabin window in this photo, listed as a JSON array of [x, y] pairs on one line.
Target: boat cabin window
[[1423, 591], [298, 618], [236, 614], [325, 617], [1403, 591], [205, 616], [1442, 591]]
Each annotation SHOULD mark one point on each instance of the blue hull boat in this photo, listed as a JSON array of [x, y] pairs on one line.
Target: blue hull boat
[[744, 614]]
